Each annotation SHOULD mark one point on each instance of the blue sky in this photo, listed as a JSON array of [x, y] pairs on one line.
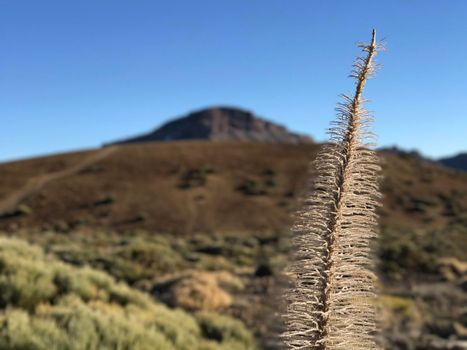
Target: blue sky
[[75, 74]]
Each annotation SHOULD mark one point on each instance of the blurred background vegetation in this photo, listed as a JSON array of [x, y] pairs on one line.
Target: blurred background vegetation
[[183, 245]]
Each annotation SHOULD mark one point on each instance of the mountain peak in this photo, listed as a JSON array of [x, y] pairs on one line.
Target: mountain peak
[[221, 124]]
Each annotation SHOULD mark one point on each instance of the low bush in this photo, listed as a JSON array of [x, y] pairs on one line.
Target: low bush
[[225, 330], [126, 258], [47, 304], [195, 178], [251, 188], [409, 252]]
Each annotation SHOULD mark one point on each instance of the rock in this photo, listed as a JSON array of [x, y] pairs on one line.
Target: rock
[[193, 291], [221, 124]]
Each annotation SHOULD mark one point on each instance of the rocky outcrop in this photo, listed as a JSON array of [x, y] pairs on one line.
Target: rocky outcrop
[[221, 124]]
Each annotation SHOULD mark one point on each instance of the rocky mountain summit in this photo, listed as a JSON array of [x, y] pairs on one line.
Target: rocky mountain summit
[[221, 124]]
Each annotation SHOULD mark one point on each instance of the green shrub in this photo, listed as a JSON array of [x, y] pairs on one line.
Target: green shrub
[[406, 251], [223, 329], [47, 304], [195, 178], [251, 188], [25, 279], [130, 258]]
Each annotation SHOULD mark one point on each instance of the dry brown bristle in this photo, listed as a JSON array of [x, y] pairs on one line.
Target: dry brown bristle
[[332, 303]]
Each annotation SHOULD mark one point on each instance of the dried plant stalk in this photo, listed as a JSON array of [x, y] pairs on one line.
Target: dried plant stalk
[[332, 304]]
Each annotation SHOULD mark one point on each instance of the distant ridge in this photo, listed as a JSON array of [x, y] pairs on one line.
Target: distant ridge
[[221, 124], [458, 161]]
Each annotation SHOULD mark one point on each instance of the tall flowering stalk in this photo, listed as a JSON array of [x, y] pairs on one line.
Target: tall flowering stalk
[[332, 304]]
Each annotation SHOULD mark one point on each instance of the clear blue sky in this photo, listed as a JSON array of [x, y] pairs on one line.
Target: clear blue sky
[[77, 73]]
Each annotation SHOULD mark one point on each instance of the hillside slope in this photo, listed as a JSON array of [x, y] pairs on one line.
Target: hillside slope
[[179, 187], [186, 187]]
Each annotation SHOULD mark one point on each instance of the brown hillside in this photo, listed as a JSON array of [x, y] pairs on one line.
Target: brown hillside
[[168, 187], [185, 187]]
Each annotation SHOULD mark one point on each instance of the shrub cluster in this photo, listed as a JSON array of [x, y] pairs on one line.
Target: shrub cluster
[[47, 304]]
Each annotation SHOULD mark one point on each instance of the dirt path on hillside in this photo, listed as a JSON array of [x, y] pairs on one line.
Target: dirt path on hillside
[[34, 184]]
